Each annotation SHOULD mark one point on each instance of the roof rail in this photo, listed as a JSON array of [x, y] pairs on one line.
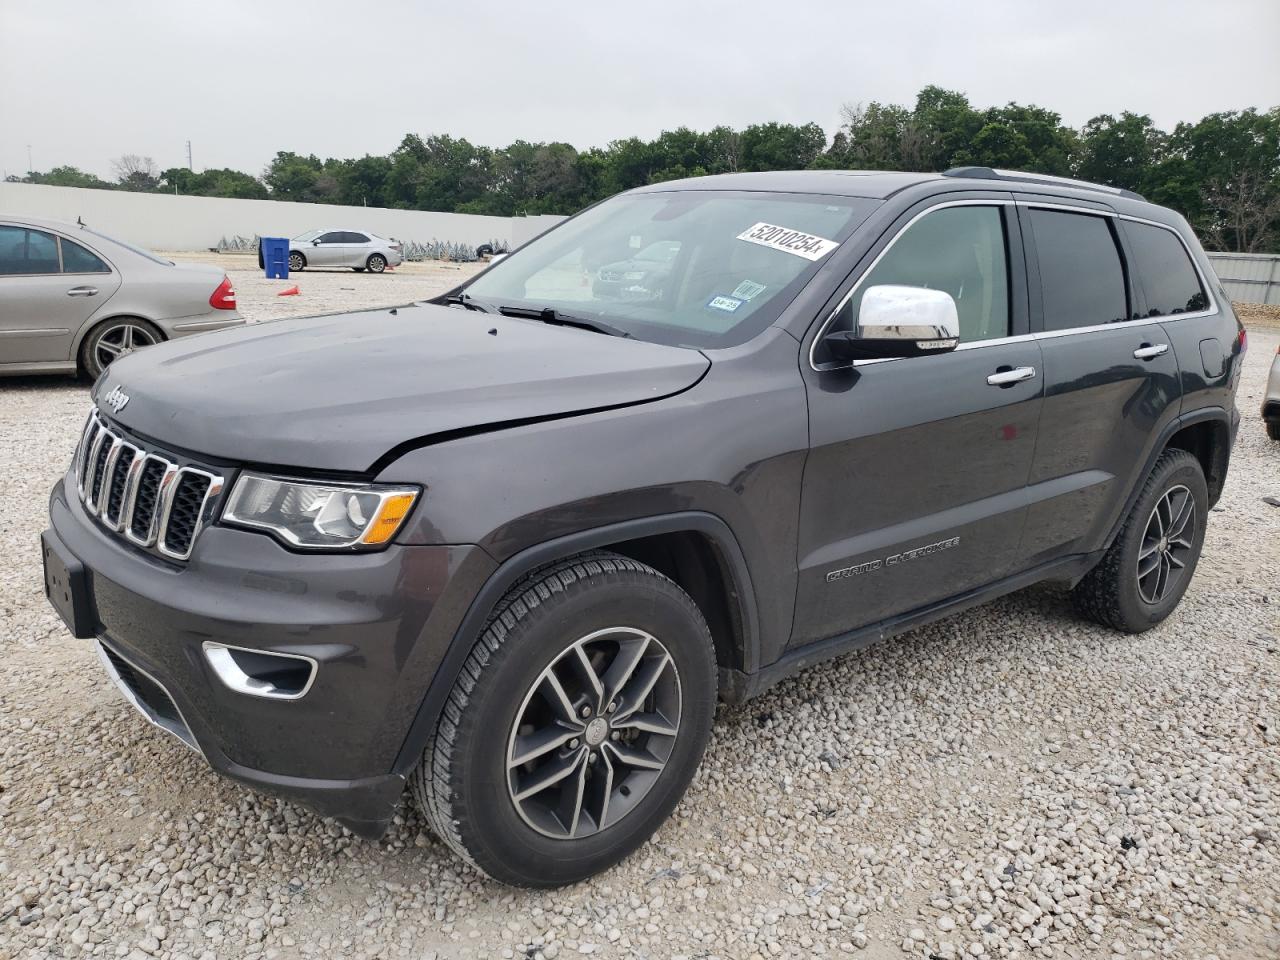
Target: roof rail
[[989, 173]]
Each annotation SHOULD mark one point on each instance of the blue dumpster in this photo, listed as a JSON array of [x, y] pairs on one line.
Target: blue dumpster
[[275, 257]]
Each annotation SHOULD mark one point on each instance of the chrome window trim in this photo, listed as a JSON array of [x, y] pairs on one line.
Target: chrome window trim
[[1211, 310], [872, 265]]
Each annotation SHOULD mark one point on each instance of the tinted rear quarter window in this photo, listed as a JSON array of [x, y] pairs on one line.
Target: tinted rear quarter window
[[1081, 276], [1163, 267], [76, 259]]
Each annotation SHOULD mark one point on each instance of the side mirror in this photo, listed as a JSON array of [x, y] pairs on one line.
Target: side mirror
[[315, 243], [896, 321]]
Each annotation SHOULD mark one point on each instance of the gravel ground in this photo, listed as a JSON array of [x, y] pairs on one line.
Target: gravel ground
[[328, 291], [1011, 782]]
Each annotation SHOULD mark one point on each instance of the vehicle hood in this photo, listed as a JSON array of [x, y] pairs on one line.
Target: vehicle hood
[[339, 392]]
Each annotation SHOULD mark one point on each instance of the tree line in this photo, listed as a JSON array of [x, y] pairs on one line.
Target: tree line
[[1222, 172]]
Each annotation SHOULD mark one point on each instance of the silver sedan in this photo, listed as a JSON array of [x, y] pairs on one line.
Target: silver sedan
[[331, 247], [73, 299]]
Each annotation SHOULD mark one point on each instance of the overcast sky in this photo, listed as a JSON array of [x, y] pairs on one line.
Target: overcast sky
[[83, 81]]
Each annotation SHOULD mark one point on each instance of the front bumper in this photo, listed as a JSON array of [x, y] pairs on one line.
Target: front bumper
[[377, 625]]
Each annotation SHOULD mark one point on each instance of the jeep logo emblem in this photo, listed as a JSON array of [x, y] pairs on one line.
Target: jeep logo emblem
[[116, 399]]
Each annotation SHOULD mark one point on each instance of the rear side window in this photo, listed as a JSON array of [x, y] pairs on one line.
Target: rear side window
[[1081, 276], [76, 259], [960, 250], [1164, 269], [24, 251], [354, 238]]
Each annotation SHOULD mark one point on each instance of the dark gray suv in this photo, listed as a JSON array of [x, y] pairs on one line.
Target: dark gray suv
[[509, 547]]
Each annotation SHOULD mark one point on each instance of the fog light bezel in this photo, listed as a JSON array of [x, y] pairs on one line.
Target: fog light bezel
[[232, 674]]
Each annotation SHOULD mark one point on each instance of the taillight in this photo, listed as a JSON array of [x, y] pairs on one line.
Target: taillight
[[224, 298]]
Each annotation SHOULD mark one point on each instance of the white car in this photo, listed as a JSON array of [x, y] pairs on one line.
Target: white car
[[334, 247]]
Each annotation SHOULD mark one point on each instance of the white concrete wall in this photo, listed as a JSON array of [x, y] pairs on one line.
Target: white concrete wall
[[165, 222]]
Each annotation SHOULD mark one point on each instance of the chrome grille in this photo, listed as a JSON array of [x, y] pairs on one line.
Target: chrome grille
[[151, 500]]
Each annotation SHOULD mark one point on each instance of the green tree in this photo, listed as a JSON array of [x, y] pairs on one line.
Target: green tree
[[68, 177], [781, 146], [1119, 152]]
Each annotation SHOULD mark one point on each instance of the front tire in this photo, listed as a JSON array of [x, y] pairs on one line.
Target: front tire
[[575, 724], [115, 338], [376, 263], [1146, 570], [297, 262], [1273, 430]]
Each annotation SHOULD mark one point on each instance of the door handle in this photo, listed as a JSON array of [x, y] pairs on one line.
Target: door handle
[[82, 292], [1149, 351], [1006, 378]]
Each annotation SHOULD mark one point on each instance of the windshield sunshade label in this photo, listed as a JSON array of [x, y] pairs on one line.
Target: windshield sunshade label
[[748, 289], [795, 242]]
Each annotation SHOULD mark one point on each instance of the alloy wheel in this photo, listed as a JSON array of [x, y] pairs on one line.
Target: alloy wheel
[[594, 733], [120, 341], [1167, 544], [295, 262]]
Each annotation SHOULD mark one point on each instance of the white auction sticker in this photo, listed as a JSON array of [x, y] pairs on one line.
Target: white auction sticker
[[788, 241]]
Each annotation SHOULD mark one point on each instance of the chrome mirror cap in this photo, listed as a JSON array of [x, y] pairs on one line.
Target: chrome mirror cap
[[919, 314]]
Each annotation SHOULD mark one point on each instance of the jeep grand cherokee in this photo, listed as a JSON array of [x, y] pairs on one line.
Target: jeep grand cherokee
[[508, 547]]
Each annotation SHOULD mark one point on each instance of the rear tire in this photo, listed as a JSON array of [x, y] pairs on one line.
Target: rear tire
[[115, 338], [1273, 430], [611, 776], [1146, 570], [376, 263]]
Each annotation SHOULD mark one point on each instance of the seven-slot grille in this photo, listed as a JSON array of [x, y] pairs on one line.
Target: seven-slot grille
[[147, 498]]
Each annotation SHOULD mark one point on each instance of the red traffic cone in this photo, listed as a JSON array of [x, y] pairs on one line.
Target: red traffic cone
[[291, 292]]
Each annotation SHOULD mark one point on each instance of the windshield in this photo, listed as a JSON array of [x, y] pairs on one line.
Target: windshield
[[309, 235], [129, 246], [686, 268]]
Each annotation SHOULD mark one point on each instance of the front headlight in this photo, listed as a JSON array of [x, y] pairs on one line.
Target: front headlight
[[334, 516]]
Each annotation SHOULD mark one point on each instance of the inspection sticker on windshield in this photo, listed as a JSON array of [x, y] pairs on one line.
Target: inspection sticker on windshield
[[788, 241], [727, 304], [748, 289]]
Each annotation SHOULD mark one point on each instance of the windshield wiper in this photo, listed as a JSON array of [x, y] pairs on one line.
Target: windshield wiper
[[556, 318], [466, 300]]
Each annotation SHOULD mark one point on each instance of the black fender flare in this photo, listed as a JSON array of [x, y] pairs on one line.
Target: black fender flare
[[539, 555], [1200, 415]]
